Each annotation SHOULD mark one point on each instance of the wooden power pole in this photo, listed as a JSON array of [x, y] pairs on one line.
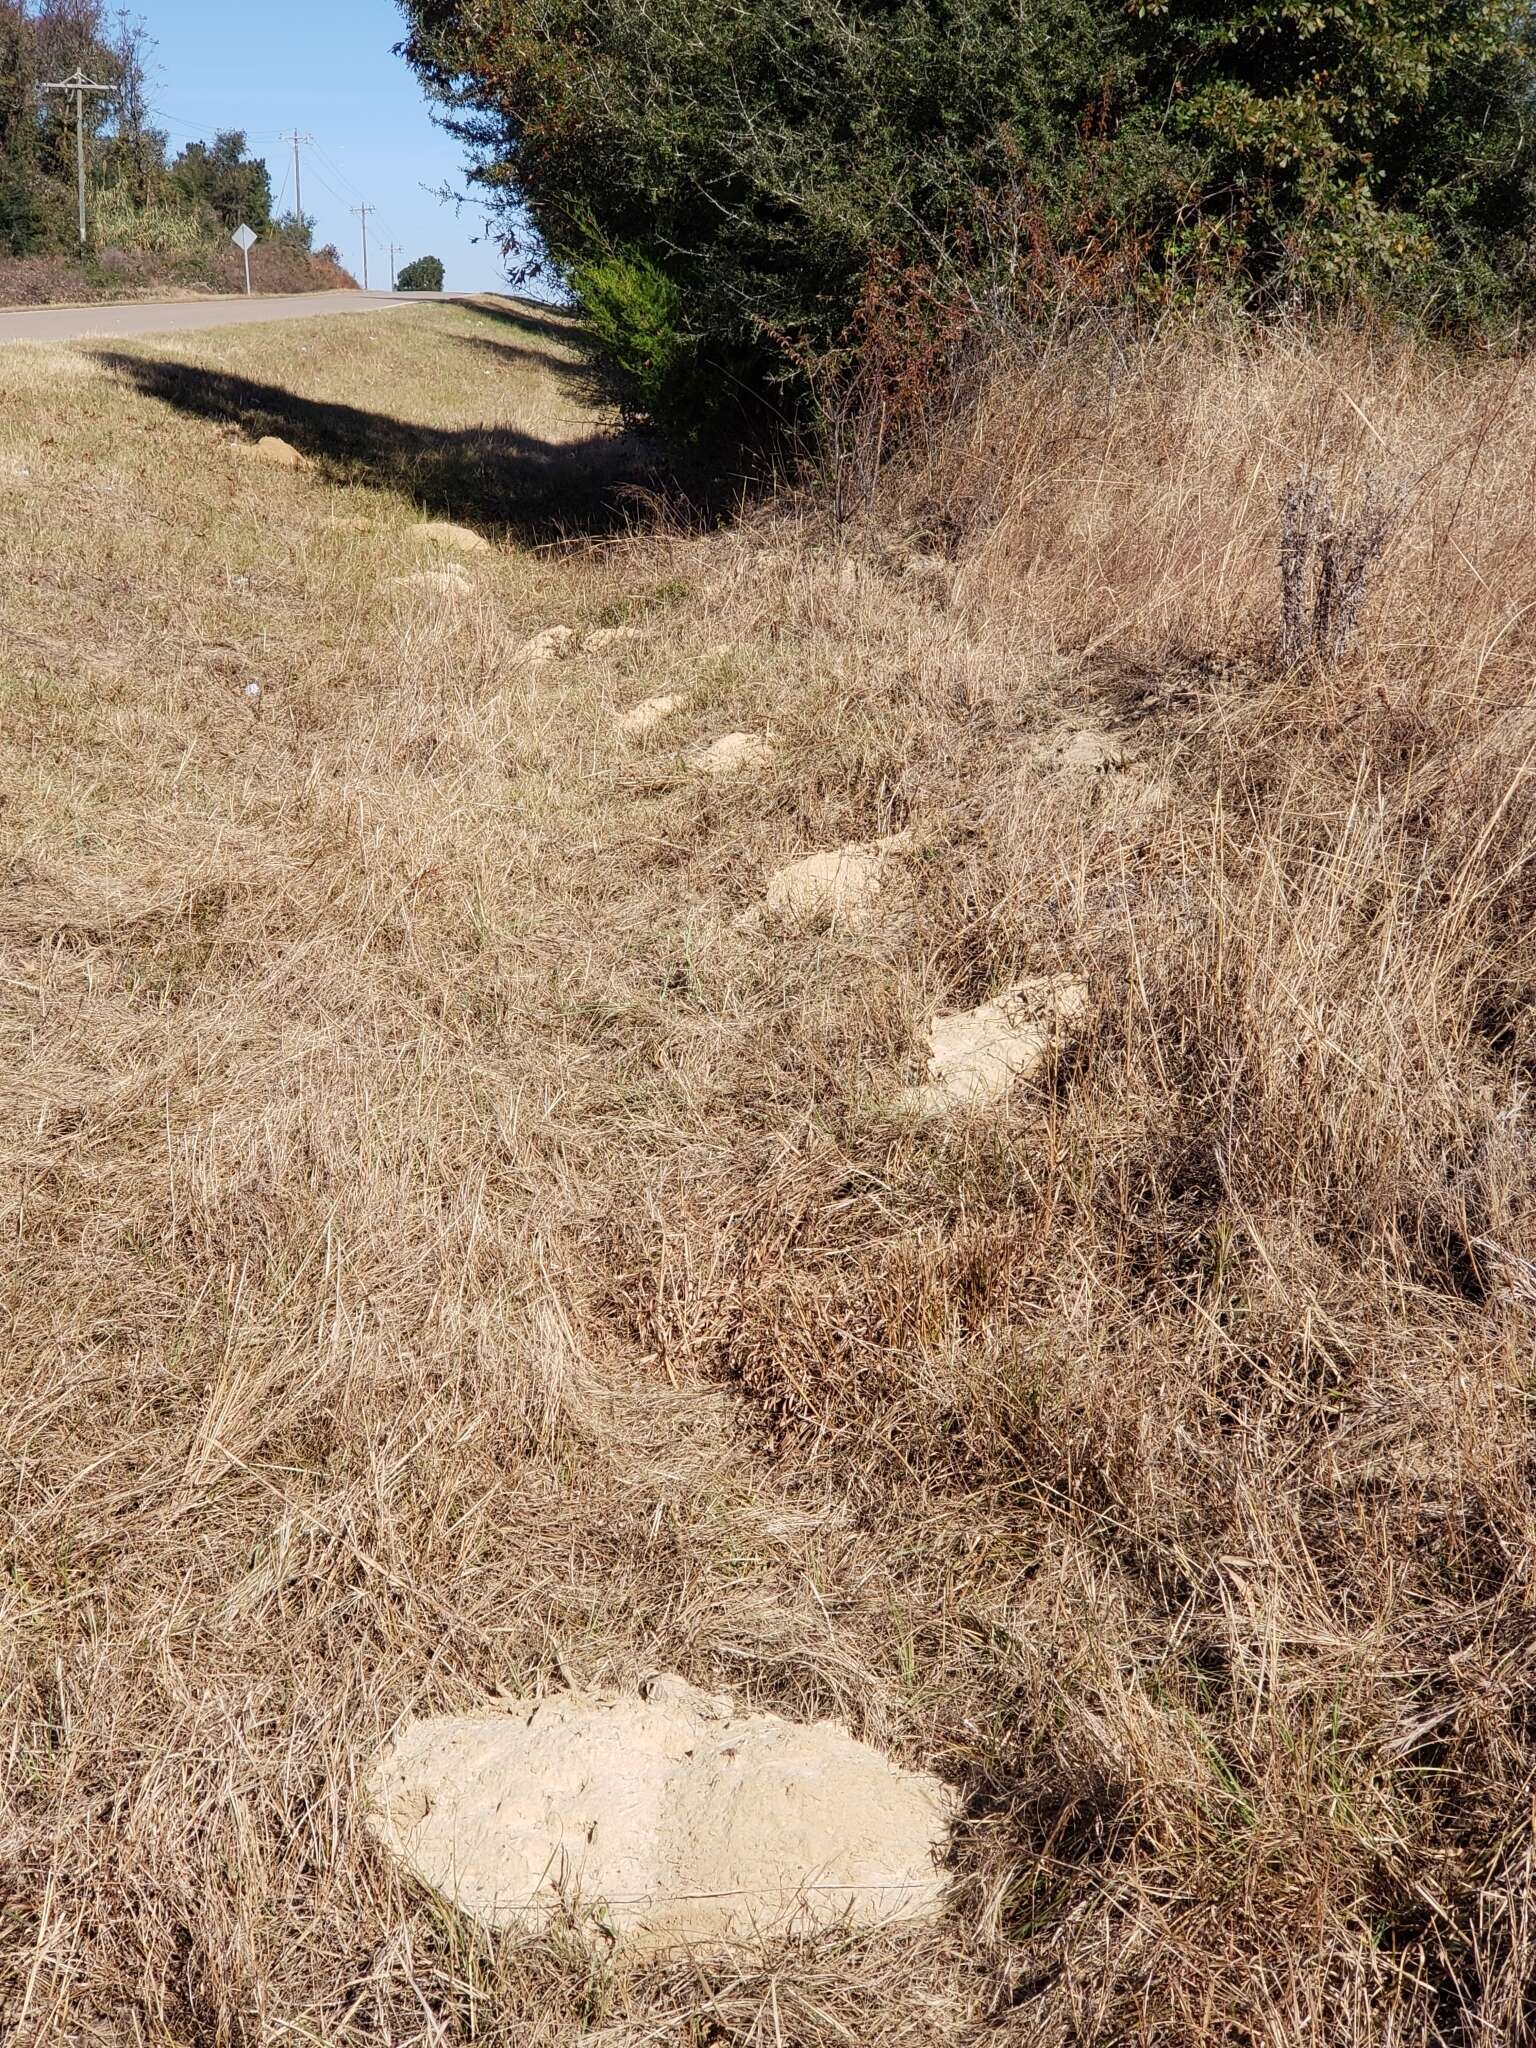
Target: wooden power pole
[[363, 212], [79, 85]]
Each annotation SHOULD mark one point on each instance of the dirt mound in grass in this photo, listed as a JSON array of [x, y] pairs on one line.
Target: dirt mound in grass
[[975, 1056], [674, 1818]]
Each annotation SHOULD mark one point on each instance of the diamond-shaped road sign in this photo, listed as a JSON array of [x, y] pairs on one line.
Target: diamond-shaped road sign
[[245, 241]]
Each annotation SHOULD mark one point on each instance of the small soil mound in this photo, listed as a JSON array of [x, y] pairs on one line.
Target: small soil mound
[[443, 533], [842, 885], [450, 582], [729, 754], [1086, 749], [548, 645], [671, 1818], [279, 453], [977, 1055], [650, 711]]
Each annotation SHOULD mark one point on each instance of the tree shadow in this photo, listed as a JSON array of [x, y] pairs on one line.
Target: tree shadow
[[530, 316], [533, 490], [580, 377]]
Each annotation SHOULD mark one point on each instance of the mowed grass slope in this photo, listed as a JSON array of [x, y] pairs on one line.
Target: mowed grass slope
[[454, 1247]]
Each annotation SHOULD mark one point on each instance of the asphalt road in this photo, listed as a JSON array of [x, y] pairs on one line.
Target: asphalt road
[[72, 323]]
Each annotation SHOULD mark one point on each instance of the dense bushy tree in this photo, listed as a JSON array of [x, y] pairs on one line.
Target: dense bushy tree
[[209, 189], [746, 155], [295, 231], [1379, 141], [220, 176], [136, 153], [424, 275], [715, 177], [63, 34], [20, 224], [37, 130]]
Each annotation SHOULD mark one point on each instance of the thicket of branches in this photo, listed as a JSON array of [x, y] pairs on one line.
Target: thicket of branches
[[717, 178]]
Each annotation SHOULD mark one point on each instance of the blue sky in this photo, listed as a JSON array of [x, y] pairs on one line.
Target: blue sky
[[328, 67]]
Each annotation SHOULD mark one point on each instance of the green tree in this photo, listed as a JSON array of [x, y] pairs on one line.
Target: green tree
[[1359, 142], [20, 213], [295, 231], [751, 153], [424, 275], [726, 172], [44, 40], [219, 175], [135, 155], [63, 34]]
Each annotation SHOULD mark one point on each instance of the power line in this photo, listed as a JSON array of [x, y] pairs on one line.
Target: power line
[[297, 139], [381, 222], [335, 168], [330, 188], [200, 130], [340, 198], [206, 128]]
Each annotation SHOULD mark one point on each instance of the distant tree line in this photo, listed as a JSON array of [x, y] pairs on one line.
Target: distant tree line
[[205, 189], [722, 181]]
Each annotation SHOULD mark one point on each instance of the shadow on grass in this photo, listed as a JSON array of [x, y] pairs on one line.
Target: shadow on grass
[[529, 316], [500, 477], [578, 377]]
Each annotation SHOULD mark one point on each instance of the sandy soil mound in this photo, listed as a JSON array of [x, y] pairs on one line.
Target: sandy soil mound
[[677, 1819], [730, 753], [842, 885], [649, 712], [549, 644], [975, 1056], [1084, 748], [279, 453], [449, 582], [444, 533]]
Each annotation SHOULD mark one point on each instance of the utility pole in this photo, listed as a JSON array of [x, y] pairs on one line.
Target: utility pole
[[392, 271], [363, 212], [79, 85], [298, 188]]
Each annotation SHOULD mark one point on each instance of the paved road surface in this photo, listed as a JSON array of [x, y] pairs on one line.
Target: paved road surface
[[71, 323]]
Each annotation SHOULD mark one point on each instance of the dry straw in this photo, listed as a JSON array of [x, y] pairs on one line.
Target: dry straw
[[454, 1250]]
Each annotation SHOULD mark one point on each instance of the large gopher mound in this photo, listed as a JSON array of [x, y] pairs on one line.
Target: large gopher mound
[[669, 1820]]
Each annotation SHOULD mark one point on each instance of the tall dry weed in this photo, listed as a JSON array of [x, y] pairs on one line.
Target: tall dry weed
[[1224, 1327]]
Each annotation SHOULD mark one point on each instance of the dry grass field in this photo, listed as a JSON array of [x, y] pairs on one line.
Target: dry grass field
[[454, 1245]]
